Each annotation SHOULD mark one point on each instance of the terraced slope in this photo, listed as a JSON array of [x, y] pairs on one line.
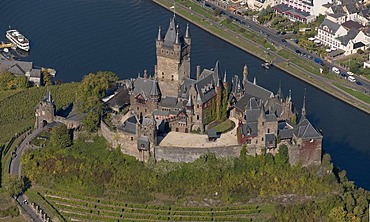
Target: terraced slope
[[93, 209]]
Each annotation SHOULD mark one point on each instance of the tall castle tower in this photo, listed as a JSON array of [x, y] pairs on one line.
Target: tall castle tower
[[45, 111], [173, 59]]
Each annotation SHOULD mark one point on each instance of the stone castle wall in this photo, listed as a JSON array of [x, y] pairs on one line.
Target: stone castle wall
[[127, 141], [308, 153], [190, 154]]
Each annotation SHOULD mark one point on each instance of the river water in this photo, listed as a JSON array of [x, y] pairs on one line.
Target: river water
[[77, 37]]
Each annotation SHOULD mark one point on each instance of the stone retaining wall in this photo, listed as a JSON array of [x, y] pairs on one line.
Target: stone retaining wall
[[190, 154]]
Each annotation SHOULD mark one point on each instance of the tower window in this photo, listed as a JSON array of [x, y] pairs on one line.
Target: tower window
[[172, 77], [197, 117]]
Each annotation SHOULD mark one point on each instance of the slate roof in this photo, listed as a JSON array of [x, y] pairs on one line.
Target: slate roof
[[129, 125], [236, 85], [351, 8], [184, 88], [169, 102], [257, 91], [143, 143], [337, 15], [286, 133], [16, 67], [35, 73], [351, 24], [252, 115], [120, 99], [305, 130], [270, 140], [171, 33], [332, 26], [249, 129], [352, 33], [206, 86], [271, 118], [145, 87]]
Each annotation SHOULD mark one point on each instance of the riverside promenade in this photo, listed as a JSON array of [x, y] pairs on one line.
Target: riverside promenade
[[249, 46]]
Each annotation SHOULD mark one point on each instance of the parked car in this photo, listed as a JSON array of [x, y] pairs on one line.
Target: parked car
[[335, 70], [359, 83], [350, 73], [351, 79], [294, 40], [310, 57], [283, 40], [318, 61], [298, 51]]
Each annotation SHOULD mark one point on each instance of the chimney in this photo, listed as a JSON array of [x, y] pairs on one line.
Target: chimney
[[198, 71], [145, 74]]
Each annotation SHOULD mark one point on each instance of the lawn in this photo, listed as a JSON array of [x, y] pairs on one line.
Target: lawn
[[355, 93], [224, 126]]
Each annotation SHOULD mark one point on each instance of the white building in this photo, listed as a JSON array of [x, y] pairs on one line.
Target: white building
[[347, 37]]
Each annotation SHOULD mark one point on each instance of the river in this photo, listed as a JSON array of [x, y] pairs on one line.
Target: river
[[78, 37]]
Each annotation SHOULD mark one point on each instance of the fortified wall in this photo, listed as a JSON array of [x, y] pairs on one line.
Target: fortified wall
[[190, 154], [308, 153], [126, 141]]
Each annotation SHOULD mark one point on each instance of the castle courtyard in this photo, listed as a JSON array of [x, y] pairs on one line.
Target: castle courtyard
[[179, 139]]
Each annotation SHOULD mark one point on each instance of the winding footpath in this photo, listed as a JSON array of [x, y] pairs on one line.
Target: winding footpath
[[16, 167]]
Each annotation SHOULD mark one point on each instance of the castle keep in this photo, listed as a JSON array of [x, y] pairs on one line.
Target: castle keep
[[171, 104]]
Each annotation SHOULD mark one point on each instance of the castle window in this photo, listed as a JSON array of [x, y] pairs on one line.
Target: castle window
[[197, 117], [162, 51], [262, 139], [167, 52], [263, 123], [132, 138], [198, 106], [268, 130], [137, 108], [146, 110], [172, 77]]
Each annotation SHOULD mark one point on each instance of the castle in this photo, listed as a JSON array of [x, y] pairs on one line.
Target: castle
[[170, 100]]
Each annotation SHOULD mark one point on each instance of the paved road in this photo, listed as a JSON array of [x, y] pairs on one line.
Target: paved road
[[276, 39], [15, 168]]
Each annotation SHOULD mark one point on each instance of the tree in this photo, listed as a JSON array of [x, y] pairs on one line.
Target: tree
[[60, 137], [13, 184], [5, 79], [91, 121], [93, 88], [282, 157]]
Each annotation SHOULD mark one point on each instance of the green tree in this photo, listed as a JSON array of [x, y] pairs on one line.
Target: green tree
[[92, 89], [282, 157], [91, 121], [338, 214], [5, 79], [60, 137], [13, 184]]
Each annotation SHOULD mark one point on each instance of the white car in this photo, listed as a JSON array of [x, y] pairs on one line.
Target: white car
[[351, 79], [350, 73], [335, 70]]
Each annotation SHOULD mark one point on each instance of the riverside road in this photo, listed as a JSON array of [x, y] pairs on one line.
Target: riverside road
[[276, 40]]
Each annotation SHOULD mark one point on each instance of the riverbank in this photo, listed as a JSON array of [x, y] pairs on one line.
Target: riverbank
[[255, 48]]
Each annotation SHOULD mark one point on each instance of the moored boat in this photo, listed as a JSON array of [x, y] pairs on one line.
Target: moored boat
[[18, 39]]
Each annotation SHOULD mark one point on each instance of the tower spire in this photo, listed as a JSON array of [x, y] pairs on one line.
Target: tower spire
[[245, 73], [187, 34], [177, 41], [255, 81], [225, 78], [159, 38], [304, 104]]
